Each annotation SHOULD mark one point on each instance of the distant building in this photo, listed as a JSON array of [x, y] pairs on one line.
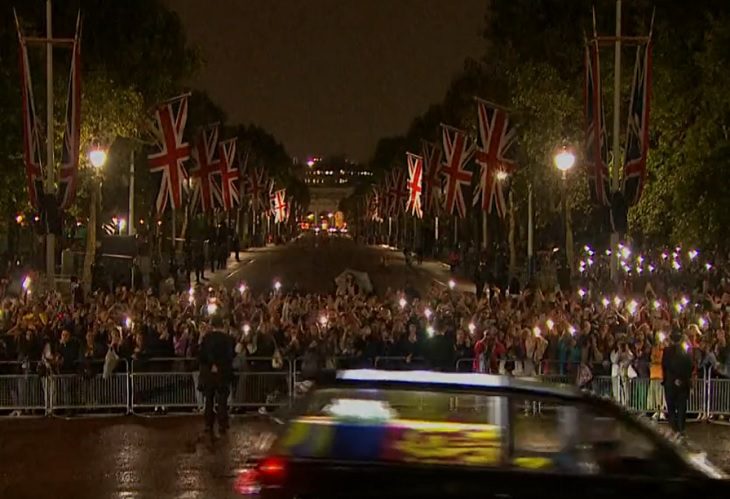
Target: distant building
[[330, 180]]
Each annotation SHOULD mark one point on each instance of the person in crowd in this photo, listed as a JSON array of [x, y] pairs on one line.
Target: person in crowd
[[217, 351], [677, 370]]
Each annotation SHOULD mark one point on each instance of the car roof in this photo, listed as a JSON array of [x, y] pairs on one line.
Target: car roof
[[448, 380]]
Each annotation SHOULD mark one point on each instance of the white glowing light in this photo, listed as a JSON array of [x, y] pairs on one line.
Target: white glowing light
[[676, 265], [581, 292], [685, 301], [246, 328], [631, 306], [617, 300], [664, 256], [693, 254], [452, 284], [360, 409], [323, 320], [590, 262], [430, 330], [536, 331], [402, 302], [469, 379], [639, 259], [661, 336], [686, 346], [587, 248], [472, 327], [605, 301], [550, 324], [26, 283], [571, 330], [625, 252], [212, 308], [427, 313], [708, 266], [650, 267], [277, 285], [242, 288], [608, 252], [702, 322], [128, 323], [678, 307], [657, 304]]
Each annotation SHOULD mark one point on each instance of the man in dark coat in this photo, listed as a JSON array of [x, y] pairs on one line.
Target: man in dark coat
[[217, 351], [677, 367]]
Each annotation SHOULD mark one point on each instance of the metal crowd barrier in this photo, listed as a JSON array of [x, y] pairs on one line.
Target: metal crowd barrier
[[22, 388], [173, 384], [90, 392]]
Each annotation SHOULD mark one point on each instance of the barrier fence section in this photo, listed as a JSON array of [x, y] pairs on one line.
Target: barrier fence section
[[174, 384]]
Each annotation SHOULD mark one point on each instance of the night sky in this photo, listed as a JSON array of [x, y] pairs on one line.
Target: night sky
[[330, 76]]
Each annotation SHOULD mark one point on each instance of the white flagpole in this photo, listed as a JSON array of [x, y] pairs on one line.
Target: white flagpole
[[616, 173], [49, 188]]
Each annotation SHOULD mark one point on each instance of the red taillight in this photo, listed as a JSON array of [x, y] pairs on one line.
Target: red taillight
[[272, 469]]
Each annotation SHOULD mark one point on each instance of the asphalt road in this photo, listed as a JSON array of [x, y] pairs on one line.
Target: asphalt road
[[312, 262], [165, 457]]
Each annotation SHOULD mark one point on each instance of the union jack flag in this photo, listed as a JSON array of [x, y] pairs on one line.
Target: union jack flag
[[432, 173], [596, 138], [168, 129], [637, 131], [279, 207], [255, 185], [397, 191], [72, 132], [229, 174], [494, 141], [458, 150], [415, 181], [31, 128], [207, 166]]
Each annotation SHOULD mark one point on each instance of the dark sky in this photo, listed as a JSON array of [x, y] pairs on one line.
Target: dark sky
[[330, 76]]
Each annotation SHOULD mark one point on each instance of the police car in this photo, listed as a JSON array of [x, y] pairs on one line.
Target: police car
[[372, 433]]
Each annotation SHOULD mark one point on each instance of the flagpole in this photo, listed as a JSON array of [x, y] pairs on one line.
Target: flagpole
[[615, 172], [484, 230], [174, 230], [49, 188], [530, 229]]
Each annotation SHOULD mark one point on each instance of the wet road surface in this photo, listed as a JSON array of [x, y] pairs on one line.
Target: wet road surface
[[312, 263], [164, 457]]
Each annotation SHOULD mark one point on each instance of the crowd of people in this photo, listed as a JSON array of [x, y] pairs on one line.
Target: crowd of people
[[580, 332]]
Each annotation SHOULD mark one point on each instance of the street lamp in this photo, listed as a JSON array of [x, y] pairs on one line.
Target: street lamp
[[97, 158], [564, 160]]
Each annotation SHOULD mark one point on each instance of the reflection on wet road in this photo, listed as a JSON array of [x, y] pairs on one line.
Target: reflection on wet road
[[120, 458], [166, 457]]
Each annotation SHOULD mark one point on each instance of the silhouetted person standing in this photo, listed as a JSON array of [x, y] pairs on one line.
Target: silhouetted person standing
[[217, 350], [677, 366]]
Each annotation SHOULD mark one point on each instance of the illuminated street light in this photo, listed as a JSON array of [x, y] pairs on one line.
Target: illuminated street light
[[564, 160], [97, 157]]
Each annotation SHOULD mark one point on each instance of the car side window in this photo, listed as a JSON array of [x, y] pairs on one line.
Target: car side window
[[577, 438]]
